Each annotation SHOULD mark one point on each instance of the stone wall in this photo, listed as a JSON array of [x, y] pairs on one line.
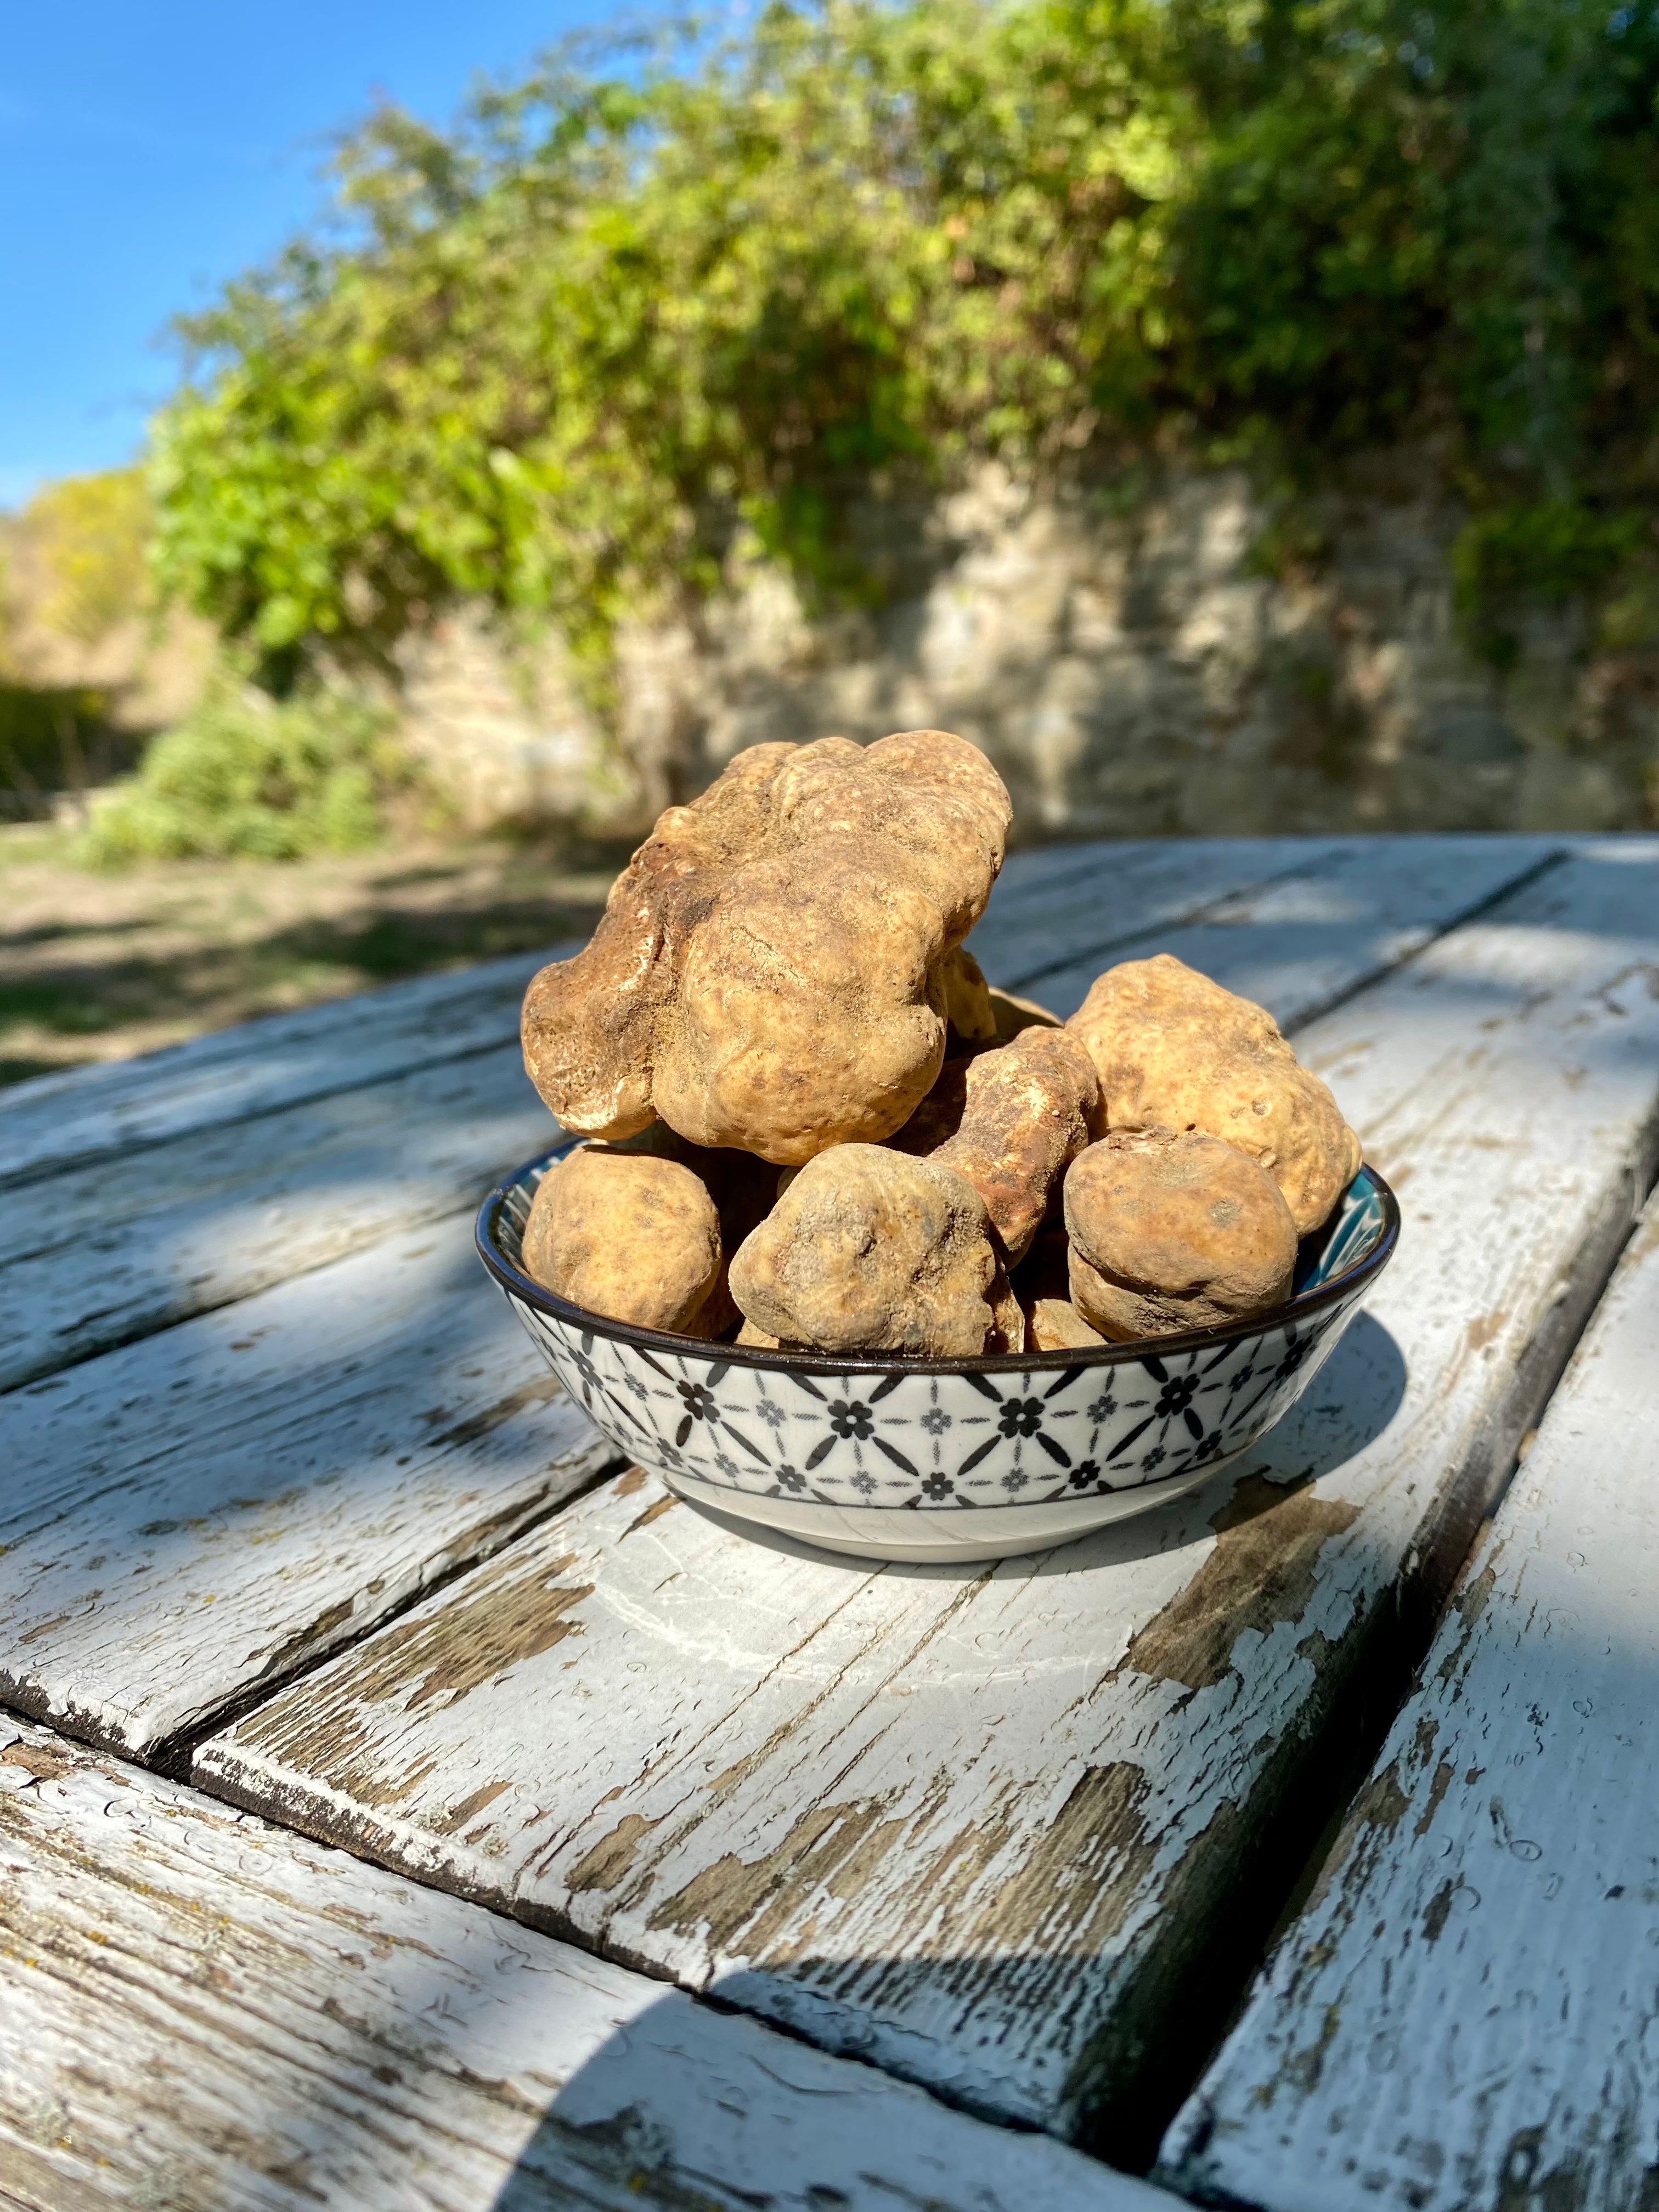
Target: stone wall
[[1127, 657]]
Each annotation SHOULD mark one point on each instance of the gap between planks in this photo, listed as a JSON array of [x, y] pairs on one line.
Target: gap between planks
[[122, 1108], [1462, 2018], [1050, 1925]]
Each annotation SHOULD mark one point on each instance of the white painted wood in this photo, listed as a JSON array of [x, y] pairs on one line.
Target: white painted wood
[[995, 1830], [1333, 922], [202, 2013], [210, 1218], [217, 1507], [98, 1257], [1075, 901], [57, 1121], [1465, 2015]]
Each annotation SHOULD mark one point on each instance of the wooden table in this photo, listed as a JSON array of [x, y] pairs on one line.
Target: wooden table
[[403, 1803]]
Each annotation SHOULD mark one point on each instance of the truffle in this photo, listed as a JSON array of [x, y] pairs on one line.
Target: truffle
[[1173, 1230]]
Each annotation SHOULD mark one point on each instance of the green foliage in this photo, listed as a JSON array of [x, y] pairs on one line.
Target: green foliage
[[1546, 551], [92, 534], [243, 777], [627, 309]]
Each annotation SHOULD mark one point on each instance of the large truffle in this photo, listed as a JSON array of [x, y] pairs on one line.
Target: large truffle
[[872, 1250], [1027, 1110], [772, 970], [1172, 1231], [630, 1235], [1175, 1050]]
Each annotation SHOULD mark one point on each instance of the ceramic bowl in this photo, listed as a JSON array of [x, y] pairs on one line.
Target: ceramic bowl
[[945, 1459]]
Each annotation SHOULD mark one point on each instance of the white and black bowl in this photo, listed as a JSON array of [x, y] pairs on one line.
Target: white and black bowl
[[945, 1459]]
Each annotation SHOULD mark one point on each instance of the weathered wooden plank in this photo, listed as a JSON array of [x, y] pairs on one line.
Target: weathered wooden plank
[[1463, 2016], [101, 1255], [214, 1507], [209, 1219], [57, 1122], [1013, 1833], [95, 1257], [1075, 903], [202, 2012], [1327, 926]]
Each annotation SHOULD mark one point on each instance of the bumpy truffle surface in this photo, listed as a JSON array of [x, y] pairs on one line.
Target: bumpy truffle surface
[[1173, 1230], [1012, 1015], [870, 1250], [1175, 1050], [627, 1235], [1026, 1111], [772, 972]]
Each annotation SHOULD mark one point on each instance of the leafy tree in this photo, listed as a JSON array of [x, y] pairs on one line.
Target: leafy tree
[[640, 301]]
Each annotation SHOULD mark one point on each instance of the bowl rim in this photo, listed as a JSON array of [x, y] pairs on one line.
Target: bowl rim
[[535, 1295]]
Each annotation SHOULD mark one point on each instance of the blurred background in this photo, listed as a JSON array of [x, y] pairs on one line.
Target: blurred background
[[432, 441]]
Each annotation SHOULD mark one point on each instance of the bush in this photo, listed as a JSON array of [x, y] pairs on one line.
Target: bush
[[245, 778], [562, 354]]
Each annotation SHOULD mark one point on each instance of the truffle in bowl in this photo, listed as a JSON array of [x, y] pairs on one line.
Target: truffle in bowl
[[984, 1456]]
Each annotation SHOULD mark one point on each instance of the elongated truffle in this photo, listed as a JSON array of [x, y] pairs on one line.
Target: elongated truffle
[[1026, 1112]]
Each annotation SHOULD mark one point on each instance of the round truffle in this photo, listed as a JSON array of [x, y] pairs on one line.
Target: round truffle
[[870, 1250], [1171, 1230], [627, 1235]]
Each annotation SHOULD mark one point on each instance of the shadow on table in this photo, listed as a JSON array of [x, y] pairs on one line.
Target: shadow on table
[[694, 2109]]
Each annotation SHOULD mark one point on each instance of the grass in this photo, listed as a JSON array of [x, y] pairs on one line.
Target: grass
[[98, 967]]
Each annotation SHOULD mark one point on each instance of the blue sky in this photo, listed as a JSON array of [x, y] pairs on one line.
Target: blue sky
[[147, 152]]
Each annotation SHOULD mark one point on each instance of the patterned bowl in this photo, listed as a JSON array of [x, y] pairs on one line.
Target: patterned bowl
[[945, 1459]]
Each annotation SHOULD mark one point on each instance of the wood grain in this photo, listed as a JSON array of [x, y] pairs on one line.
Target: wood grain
[[91, 1114], [1464, 2015], [201, 2012], [195, 1521], [98, 1257], [1325, 926], [220, 1505], [1007, 1832], [130, 1654], [95, 1257], [86, 1113], [1081, 901]]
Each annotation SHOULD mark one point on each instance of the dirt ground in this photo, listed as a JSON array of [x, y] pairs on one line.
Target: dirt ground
[[99, 967]]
